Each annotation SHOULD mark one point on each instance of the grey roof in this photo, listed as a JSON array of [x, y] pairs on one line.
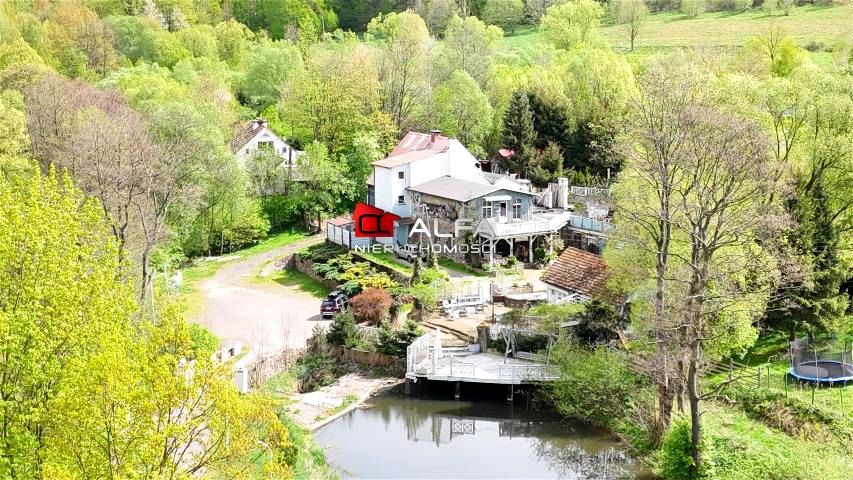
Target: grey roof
[[454, 188]]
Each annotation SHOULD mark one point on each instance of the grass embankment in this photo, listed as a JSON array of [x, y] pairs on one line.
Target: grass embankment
[[461, 268], [311, 459], [818, 28], [302, 282], [386, 260], [204, 268]]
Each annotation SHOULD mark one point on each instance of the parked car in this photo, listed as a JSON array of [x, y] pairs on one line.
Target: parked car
[[407, 252], [334, 303]]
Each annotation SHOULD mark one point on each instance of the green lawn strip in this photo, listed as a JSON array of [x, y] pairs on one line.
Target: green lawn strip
[[461, 268], [666, 30], [190, 294], [311, 459], [386, 259], [742, 448], [292, 278]]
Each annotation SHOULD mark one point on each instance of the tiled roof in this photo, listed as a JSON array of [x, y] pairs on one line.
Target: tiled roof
[[454, 188], [577, 271], [244, 133], [414, 146]]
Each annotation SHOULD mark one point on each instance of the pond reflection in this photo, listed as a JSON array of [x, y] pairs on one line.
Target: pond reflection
[[400, 437]]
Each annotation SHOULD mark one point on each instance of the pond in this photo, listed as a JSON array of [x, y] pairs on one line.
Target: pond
[[393, 436]]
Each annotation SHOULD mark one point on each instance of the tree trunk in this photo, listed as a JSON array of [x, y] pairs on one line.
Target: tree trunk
[[695, 421]]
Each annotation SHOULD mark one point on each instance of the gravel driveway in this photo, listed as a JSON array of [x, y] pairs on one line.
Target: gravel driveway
[[269, 317]]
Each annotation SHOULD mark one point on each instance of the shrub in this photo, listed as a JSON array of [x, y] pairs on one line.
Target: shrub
[[594, 385], [598, 323], [425, 297], [675, 458], [692, 8], [343, 330], [371, 305], [395, 341]]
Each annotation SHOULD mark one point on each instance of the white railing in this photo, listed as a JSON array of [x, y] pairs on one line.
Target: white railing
[[426, 356], [590, 191]]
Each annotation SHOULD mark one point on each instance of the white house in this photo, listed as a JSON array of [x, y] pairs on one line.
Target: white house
[[255, 136], [417, 159]]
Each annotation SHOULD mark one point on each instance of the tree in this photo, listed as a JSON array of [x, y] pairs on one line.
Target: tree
[[518, 133], [631, 13], [547, 165], [323, 184], [692, 8], [269, 66], [571, 24], [506, 14], [199, 40], [232, 39], [437, 14], [336, 98], [58, 302], [653, 144], [470, 45], [79, 39], [371, 305], [405, 51], [462, 110], [729, 277], [534, 9]]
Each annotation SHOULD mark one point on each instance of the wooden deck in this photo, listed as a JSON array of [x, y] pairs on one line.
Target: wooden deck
[[426, 358]]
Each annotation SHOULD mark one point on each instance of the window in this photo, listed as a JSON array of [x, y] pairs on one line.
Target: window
[[516, 209], [265, 145], [401, 200], [487, 210], [401, 175]]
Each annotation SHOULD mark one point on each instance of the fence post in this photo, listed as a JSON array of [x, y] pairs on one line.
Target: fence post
[[731, 367]]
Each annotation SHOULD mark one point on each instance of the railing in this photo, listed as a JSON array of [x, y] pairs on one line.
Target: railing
[[426, 356], [589, 224], [529, 372], [345, 237], [589, 192]]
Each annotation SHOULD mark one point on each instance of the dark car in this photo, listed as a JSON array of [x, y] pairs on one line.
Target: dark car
[[334, 303]]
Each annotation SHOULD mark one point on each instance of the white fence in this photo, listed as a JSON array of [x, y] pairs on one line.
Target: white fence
[[426, 357], [344, 236], [590, 192]]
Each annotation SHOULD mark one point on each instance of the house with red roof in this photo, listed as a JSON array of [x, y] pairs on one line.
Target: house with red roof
[[575, 276]]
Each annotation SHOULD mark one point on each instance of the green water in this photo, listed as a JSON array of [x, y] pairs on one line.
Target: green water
[[394, 436]]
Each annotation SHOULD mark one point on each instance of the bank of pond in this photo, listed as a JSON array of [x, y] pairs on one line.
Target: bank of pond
[[481, 436]]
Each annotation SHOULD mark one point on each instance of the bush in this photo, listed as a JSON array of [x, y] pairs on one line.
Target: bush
[[395, 341], [371, 305], [343, 330], [598, 323], [675, 458], [594, 385], [692, 8]]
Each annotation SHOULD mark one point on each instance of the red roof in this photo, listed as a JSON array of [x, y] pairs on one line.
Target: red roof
[[577, 271], [414, 146], [506, 152]]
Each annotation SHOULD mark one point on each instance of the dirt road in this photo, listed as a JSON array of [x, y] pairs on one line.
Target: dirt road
[[269, 317]]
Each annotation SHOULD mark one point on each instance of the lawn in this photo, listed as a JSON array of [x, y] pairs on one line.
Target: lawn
[[386, 259], [743, 448], [302, 282], [661, 31], [461, 268], [203, 269]]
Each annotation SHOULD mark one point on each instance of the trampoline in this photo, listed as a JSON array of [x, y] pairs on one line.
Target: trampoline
[[810, 365]]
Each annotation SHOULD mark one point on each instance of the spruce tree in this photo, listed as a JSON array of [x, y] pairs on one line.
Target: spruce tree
[[518, 133], [817, 302]]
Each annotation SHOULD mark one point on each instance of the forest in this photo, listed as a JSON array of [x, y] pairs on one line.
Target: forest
[[730, 165]]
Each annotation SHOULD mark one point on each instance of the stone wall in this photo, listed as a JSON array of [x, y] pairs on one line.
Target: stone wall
[[369, 359], [306, 267]]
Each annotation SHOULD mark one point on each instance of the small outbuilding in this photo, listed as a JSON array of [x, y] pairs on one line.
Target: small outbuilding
[[575, 276]]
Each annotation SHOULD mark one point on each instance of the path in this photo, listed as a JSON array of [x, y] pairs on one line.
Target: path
[[268, 317]]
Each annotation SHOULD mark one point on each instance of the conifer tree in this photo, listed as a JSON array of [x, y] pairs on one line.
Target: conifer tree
[[518, 133]]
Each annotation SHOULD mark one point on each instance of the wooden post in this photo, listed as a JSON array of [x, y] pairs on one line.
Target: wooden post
[[458, 390], [408, 387], [510, 390]]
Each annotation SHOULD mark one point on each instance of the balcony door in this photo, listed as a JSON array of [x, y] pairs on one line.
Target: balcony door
[[501, 210]]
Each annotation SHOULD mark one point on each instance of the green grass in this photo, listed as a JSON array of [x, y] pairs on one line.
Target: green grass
[[386, 259], [303, 283], [460, 267], [743, 448], [190, 294], [666, 30]]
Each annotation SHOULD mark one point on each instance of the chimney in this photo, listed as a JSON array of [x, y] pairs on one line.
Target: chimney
[[433, 135]]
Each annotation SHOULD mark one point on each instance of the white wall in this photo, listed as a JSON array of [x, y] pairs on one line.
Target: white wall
[[265, 135]]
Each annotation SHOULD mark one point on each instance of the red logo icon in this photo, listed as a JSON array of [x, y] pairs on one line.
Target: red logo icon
[[373, 222]]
